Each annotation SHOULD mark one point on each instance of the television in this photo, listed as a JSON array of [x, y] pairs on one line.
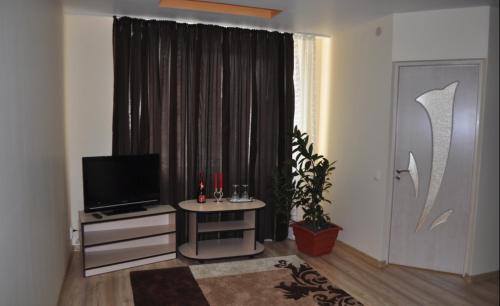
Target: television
[[120, 183]]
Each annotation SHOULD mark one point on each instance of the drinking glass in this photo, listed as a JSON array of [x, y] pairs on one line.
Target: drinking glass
[[235, 196], [245, 192]]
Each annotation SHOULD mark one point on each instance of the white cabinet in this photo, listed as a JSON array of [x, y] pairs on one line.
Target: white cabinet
[[127, 240]]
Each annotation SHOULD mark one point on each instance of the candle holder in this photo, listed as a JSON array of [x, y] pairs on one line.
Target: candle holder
[[218, 194]]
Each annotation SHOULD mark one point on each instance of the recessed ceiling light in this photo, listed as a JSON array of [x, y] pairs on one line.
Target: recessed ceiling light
[[222, 8]]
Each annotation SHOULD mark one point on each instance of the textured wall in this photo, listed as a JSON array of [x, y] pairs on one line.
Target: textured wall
[[360, 116], [442, 34], [88, 98], [34, 240]]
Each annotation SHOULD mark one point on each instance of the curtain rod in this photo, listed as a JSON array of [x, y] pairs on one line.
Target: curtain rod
[[222, 24]]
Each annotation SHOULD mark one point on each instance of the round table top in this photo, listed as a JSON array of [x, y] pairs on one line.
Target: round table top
[[211, 206]]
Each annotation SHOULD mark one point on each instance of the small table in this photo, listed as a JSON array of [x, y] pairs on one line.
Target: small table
[[221, 248]]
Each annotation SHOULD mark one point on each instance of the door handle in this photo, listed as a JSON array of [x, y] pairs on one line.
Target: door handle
[[399, 171]]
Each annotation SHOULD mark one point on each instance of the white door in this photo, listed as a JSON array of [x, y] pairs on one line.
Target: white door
[[437, 107]]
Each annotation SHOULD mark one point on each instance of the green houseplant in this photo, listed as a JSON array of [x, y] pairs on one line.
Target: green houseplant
[[315, 235]]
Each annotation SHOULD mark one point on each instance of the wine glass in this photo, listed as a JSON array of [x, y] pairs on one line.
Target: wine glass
[[235, 196], [245, 192]]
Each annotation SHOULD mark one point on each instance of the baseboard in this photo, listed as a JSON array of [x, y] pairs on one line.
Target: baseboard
[[365, 257], [382, 263], [70, 251], [481, 277]]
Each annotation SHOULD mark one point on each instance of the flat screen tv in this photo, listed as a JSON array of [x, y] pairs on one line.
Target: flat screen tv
[[120, 182]]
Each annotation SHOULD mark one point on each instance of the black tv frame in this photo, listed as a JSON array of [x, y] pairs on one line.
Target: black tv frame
[[118, 207]]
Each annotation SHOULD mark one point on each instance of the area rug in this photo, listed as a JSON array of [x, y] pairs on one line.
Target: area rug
[[286, 280], [162, 287]]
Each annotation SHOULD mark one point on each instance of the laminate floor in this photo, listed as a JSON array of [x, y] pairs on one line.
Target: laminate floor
[[391, 285]]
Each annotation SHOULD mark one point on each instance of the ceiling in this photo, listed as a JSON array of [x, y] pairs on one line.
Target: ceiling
[[320, 17]]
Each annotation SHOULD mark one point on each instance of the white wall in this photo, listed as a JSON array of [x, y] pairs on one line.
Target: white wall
[[485, 254], [441, 34], [88, 68], [360, 117], [34, 239]]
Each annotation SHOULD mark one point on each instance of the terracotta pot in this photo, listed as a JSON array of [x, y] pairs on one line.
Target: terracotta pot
[[315, 243]]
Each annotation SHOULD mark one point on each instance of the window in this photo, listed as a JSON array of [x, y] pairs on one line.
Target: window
[[306, 88]]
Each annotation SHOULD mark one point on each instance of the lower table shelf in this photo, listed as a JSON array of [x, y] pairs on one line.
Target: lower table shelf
[[93, 238], [223, 226], [220, 248], [96, 259]]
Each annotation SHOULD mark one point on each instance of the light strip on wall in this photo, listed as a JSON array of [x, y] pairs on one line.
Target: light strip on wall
[[325, 47], [222, 8]]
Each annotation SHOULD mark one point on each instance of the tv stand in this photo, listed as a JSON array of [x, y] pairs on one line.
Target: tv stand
[[115, 242], [127, 210]]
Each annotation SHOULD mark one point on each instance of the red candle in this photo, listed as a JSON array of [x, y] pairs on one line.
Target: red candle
[[221, 184], [215, 181]]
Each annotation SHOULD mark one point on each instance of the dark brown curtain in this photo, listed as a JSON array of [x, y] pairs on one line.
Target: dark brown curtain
[[273, 110], [206, 98]]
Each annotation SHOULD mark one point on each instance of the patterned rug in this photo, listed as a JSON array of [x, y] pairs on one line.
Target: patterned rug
[[286, 280]]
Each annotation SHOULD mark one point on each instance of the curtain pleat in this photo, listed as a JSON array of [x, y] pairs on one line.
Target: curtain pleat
[[206, 99], [121, 101], [266, 110], [239, 68]]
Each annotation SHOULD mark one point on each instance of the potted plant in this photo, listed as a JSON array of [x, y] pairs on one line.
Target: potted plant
[[315, 235]]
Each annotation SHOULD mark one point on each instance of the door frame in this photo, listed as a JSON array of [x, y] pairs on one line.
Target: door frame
[[477, 152]]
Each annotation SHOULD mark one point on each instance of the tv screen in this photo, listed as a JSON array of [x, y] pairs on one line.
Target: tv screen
[[111, 182]]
